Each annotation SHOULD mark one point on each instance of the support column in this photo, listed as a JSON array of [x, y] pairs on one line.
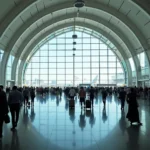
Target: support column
[[3, 68], [20, 72], [148, 58], [129, 71], [137, 68]]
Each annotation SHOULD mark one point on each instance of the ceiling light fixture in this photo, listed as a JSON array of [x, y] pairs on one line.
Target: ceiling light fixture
[[79, 3], [74, 43]]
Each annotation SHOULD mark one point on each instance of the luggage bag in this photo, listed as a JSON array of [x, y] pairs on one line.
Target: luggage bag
[[88, 104]]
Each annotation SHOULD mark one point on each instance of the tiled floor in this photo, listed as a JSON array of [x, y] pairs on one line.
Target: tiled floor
[[51, 125]]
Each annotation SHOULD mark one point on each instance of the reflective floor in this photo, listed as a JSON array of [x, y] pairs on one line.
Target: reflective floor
[[51, 125]]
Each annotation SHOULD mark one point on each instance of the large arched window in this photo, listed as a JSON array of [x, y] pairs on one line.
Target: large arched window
[[55, 63]]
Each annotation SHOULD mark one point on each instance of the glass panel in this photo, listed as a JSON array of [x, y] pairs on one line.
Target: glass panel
[[60, 77], [43, 65], [78, 71], [52, 65], [44, 59], [60, 65], [60, 71], [95, 46], [86, 71], [52, 77], [103, 52], [35, 71], [69, 65], [44, 53], [69, 71], [86, 65], [78, 59], [112, 64], [43, 78], [44, 71], [86, 53], [35, 59], [60, 59], [78, 65], [103, 64], [52, 71], [86, 59], [95, 71], [34, 65]]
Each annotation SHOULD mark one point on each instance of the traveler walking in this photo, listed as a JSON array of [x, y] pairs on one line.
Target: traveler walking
[[3, 108], [122, 96], [32, 94], [104, 95], [26, 96], [72, 93], [133, 113], [14, 101], [91, 95], [82, 95]]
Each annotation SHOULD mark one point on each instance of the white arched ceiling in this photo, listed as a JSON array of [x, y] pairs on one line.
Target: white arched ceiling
[[65, 19], [101, 16], [145, 4], [9, 11], [114, 7]]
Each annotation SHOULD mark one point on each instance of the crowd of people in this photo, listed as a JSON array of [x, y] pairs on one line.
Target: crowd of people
[[12, 100]]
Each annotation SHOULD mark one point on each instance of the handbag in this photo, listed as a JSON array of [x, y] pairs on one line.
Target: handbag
[[7, 119]]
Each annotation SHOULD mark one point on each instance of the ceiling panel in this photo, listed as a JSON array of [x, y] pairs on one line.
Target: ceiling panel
[[104, 1], [5, 7], [26, 16], [18, 22], [32, 10], [116, 3], [40, 6]]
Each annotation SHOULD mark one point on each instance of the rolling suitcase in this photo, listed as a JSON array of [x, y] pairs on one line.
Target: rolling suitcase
[[71, 103], [88, 104]]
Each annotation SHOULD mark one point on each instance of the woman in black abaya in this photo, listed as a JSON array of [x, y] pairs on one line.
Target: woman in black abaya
[[133, 113]]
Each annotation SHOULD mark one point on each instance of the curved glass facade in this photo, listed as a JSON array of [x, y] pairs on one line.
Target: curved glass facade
[[55, 63]]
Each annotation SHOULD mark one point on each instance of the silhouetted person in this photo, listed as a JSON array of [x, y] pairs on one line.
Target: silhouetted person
[[82, 95], [104, 95], [133, 113], [32, 94], [122, 97], [91, 95], [14, 100], [3, 108], [72, 93], [26, 96]]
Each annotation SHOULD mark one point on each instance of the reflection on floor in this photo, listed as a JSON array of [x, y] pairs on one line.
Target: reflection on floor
[[51, 125]]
